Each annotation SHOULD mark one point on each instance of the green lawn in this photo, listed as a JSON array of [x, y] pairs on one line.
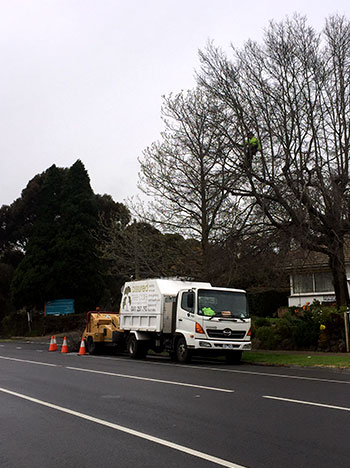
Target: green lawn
[[289, 359]]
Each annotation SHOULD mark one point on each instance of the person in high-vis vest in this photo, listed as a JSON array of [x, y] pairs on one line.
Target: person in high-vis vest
[[252, 146]]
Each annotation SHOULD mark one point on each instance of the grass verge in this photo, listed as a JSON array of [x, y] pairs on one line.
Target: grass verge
[[306, 360]]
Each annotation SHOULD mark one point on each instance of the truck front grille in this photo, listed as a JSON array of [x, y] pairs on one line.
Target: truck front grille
[[226, 334]]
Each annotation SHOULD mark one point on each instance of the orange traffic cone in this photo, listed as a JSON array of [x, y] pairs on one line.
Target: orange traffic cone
[[82, 351], [53, 344], [64, 348]]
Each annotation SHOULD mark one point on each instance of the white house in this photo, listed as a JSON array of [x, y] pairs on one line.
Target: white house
[[311, 278]]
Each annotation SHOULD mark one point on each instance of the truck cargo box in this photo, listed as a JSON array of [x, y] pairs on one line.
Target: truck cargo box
[[147, 305]]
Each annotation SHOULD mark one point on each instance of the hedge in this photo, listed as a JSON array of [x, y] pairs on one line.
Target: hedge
[[311, 327], [16, 324]]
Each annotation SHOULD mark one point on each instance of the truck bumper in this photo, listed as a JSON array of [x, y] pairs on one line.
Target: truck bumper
[[221, 346]]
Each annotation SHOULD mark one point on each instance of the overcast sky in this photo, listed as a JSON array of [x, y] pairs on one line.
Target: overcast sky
[[85, 78]]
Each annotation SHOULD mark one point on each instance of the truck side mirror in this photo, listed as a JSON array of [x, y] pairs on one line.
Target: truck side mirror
[[190, 300]]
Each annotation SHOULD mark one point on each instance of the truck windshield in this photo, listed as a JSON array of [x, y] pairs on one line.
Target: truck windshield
[[226, 304]]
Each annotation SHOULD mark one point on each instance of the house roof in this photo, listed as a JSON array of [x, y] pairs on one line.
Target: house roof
[[301, 260]]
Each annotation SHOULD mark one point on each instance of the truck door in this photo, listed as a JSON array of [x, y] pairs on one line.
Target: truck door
[[186, 312]]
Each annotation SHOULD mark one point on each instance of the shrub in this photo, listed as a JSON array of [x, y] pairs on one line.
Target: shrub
[[311, 327], [16, 324], [305, 334], [266, 338], [262, 322]]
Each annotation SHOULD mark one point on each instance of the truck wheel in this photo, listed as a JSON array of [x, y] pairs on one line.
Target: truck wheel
[[136, 348], [233, 357], [91, 347], [183, 354]]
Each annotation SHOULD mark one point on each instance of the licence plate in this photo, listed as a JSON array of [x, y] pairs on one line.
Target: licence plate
[[227, 346]]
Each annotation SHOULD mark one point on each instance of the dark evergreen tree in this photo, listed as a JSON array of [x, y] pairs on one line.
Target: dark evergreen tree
[[110, 212], [77, 266], [60, 259], [34, 281], [8, 263], [17, 220], [16, 226]]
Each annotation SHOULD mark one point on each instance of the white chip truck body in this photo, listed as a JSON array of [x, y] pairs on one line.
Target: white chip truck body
[[184, 318]]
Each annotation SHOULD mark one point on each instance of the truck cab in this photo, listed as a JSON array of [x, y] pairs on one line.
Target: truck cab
[[213, 321]]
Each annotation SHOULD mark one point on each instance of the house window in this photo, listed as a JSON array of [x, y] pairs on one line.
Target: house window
[[313, 282], [323, 282]]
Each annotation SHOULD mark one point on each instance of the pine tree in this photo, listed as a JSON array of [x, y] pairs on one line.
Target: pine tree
[[77, 268], [33, 282], [60, 260]]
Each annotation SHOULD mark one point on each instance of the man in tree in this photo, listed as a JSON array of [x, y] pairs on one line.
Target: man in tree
[[252, 146]]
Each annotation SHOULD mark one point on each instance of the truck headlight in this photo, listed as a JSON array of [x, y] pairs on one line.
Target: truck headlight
[[204, 344]]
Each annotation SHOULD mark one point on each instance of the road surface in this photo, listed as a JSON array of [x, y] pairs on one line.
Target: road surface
[[64, 410]]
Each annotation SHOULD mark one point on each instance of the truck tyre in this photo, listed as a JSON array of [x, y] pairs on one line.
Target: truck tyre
[[136, 348], [183, 354], [233, 357]]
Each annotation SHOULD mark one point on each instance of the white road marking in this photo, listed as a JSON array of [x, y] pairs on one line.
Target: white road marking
[[126, 376], [182, 384], [233, 371], [30, 362], [302, 402], [38, 342], [142, 435], [216, 369], [285, 376]]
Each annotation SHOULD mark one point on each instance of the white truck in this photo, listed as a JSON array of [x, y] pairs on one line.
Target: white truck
[[184, 318]]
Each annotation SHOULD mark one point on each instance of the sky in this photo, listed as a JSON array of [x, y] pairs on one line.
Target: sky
[[84, 79]]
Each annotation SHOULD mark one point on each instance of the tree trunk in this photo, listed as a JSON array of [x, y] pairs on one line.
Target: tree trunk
[[206, 271], [337, 266], [136, 254]]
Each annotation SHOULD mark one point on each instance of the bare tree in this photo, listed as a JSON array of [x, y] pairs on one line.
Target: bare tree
[[186, 172], [138, 251], [293, 92]]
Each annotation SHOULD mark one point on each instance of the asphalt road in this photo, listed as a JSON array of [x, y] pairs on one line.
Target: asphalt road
[[63, 410]]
